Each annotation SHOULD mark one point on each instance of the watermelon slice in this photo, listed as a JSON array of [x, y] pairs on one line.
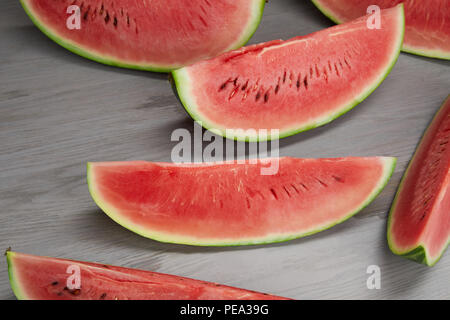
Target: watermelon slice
[[419, 221], [292, 85], [42, 278], [157, 35], [219, 204], [427, 30]]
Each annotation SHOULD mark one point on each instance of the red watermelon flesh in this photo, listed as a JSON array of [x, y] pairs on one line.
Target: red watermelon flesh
[[292, 85], [419, 222], [427, 30], [42, 278], [233, 204], [158, 35]]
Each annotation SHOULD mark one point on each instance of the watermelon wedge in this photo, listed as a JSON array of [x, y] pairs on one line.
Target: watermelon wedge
[[157, 35], [419, 221], [427, 30], [292, 85], [218, 204], [42, 278]]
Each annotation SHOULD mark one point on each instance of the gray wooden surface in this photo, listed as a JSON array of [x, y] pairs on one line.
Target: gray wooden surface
[[58, 111]]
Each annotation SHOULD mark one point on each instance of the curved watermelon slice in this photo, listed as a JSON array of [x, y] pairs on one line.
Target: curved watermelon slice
[[157, 35], [234, 204], [42, 278], [419, 221], [427, 30], [292, 85]]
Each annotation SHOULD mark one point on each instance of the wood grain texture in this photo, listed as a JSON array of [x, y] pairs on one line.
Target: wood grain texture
[[58, 111]]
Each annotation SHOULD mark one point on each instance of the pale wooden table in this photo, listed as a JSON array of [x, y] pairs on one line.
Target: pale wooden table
[[58, 111]]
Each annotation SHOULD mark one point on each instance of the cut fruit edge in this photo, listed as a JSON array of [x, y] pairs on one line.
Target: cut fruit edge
[[426, 52], [419, 252], [183, 86], [405, 48], [247, 33], [12, 277], [389, 164]]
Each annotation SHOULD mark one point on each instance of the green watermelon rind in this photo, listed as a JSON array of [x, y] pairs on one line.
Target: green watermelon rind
[[405, 48], [427, 53], [326, 12], [111, 61], [182, 85], [418, 253], [389, 167], [12, 278]]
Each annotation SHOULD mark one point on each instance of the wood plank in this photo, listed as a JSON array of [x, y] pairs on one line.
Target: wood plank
[[58, 111]]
